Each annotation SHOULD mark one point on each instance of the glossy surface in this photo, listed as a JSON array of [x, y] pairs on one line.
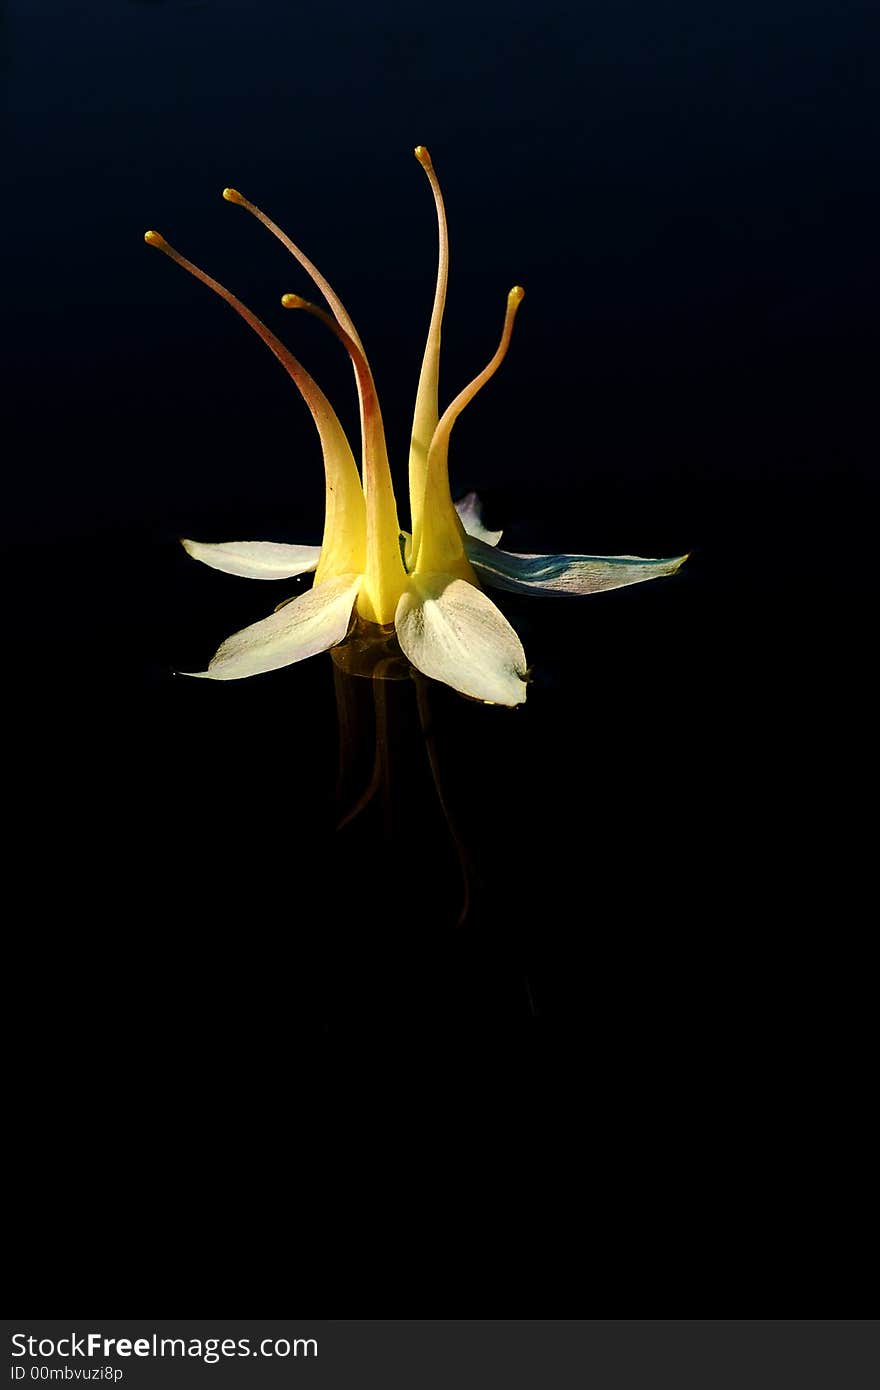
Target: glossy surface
[[663, 846]]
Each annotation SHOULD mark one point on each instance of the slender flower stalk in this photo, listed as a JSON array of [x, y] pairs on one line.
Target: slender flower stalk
[[428, 584]]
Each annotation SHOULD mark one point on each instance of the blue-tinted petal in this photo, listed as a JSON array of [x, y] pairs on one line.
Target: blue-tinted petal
[[563, 574], [470, 512]]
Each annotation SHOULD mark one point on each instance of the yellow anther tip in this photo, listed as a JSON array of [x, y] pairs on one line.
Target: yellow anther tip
[[154, 239], [232, 195], [292, 301], [422, 156], [517, 294]]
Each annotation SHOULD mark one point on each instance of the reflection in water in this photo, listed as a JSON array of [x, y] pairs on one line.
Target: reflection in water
[[420, 613], [388, 755]]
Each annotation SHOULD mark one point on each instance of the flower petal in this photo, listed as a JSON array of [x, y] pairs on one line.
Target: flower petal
[[470, 514], [312, 623], [453, 633], [256, 559], [563, 574]]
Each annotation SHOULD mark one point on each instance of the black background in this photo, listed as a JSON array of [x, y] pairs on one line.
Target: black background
[[659, 991]]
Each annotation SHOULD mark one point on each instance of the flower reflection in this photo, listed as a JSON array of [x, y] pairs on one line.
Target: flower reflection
[[425, 584], [384, 713]]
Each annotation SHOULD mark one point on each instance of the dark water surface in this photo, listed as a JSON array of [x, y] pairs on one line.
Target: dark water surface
[[662, 940]]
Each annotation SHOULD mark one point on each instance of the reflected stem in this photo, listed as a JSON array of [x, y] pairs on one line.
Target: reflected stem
[[380, 776], [464, 862]]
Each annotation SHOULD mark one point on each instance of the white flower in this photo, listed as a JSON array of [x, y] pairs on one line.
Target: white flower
[[427, 583]]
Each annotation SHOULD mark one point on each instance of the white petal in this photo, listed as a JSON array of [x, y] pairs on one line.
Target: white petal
[[470, 511], [256, 559], [312, 623], [453, 633], [563, 574]]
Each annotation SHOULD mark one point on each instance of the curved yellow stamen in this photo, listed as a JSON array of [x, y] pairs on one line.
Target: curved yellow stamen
[[337, 308], [442, 547], [341, 315], [427, 411], [343, 548], [385, 577]]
